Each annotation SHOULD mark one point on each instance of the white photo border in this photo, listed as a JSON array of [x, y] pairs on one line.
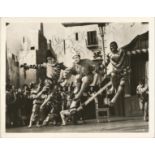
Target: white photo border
[[150, 133]]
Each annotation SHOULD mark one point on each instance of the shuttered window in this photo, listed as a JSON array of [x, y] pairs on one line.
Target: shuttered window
[[92, 37]]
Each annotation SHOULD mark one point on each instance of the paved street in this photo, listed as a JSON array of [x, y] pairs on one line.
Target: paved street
[[119, 124]]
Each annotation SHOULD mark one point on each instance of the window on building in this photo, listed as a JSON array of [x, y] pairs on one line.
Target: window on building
[[32, 48], [76, 37], [92, 37]]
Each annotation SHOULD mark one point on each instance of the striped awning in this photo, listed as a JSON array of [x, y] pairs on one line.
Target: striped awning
[[139, 45], [138, 51]]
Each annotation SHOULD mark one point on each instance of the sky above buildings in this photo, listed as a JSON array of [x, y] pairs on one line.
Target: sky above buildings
[[16, 31]]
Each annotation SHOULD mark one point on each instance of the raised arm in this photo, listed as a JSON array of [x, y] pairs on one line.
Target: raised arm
[[138, 90], [145, 89], [36, 66], [105, 62]]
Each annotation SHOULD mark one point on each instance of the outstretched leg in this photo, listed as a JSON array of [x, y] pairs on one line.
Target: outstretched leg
[[86, 80], [63, 115], [118, 92], [146, 111], [34, 115], [77, 83], [114, 80]]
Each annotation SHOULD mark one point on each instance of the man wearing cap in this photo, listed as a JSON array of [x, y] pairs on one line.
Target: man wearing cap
[[120, 69], [82, 69]]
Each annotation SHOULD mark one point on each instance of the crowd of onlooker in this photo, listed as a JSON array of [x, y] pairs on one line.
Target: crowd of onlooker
[[18, 105]]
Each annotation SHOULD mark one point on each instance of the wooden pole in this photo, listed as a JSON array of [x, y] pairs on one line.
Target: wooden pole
[[101, 29], [64, 47], [99, 92]]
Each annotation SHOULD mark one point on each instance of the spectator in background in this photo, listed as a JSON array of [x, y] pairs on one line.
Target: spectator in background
[[10, 105], [26, 105], [142, 92], [18, 106]]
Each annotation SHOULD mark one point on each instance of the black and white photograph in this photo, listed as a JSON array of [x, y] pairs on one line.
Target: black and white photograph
[[77, 75]]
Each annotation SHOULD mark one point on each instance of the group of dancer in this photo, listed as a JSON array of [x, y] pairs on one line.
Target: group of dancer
[[59, 99]]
